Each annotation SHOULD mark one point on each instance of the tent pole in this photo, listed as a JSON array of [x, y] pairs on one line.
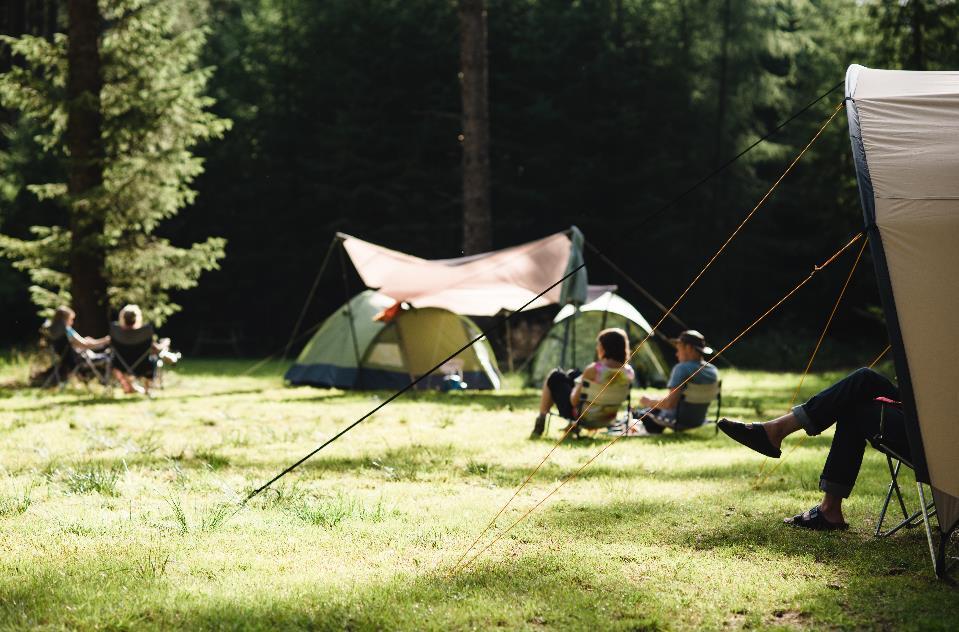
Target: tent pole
[[349, 315], [562, 355], [573, 346], [309, 297], [639, 288], [509, 347]]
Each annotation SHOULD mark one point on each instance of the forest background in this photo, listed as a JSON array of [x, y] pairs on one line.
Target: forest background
[[346, 117]]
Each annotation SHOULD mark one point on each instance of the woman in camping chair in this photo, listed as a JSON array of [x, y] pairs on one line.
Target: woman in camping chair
[[591, 398], [131, 319]]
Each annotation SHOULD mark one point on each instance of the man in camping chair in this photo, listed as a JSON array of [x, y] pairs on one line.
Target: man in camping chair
[[590, 399], [686, 405]]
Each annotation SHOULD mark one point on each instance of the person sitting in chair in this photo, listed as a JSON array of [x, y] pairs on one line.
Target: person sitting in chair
[[65, 316], [691, 352], [131, 319], [852, 405], [609, 373], [70, 350]]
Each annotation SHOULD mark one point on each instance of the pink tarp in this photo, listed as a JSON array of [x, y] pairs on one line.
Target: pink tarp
[[480, 285]]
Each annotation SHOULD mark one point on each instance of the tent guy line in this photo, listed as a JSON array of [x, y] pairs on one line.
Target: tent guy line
[[787, 296], [730, 161], [760, 478], [406, 388], [659, 323]]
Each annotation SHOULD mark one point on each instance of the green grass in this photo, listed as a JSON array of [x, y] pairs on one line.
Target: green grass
[[121, 512]]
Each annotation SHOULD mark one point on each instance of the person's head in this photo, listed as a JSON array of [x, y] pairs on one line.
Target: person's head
[[691, 346], [612, 344], [131, 317], [65, 315]]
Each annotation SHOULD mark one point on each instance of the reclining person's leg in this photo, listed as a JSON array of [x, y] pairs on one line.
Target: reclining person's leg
[[816, 415], [556, 390], [842, 399]]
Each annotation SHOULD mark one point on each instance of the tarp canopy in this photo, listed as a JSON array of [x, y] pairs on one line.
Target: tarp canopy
[[571, 341], [374, 354], [905, 137], [479, 285]]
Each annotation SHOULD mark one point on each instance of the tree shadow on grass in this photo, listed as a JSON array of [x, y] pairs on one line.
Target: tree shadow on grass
[[467, 399], [569, 588], [113, 401], [529, 592]]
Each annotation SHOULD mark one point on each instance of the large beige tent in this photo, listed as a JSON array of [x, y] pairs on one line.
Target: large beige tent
[[905, 138], [478, 285]]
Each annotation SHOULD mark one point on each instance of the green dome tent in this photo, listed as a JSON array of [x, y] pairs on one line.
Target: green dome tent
[[374, 354], [571, 341]]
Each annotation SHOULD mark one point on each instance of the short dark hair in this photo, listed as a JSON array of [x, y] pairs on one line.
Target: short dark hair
[[615, 344]]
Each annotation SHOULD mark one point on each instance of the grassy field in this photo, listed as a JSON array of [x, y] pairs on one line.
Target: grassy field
[[120, 513]]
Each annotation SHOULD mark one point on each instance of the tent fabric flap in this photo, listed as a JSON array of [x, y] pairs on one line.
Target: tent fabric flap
[[478, 285], [905, 133]]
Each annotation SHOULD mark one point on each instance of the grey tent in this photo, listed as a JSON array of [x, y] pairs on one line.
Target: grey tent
[[571, 340], [904, 128]]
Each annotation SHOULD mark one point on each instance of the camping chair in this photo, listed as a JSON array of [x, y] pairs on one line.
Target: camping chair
[[694, 402], [601, 405], [131, 350], [67, 362], [63, 359], [894, 461]]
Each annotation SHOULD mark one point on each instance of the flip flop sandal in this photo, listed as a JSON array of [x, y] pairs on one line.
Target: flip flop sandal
[[753, 436], [815, 521]]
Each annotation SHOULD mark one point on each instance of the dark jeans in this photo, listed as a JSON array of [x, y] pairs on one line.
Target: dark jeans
[[560, 384], [850, 404]]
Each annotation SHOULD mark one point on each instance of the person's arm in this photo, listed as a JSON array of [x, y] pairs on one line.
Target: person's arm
[[163, 344], [671, 400], [79, 342], [588, 374]]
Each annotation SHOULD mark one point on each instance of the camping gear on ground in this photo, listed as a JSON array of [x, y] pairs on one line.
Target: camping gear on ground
[[352, 350], [904, 128], [571, 341]]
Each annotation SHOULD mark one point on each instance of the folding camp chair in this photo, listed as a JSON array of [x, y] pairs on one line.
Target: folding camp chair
[[66, 362], [895, 461], [694, 402], [61, 355], [131, 351], [601, 405]]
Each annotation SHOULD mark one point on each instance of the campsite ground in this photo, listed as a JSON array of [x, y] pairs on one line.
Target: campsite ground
[[118, 512]]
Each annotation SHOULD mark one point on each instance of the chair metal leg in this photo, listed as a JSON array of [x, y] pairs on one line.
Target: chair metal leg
[[908, 521], [937, 566]]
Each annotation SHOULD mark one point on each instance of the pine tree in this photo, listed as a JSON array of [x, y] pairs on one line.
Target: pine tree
[[154, 113]]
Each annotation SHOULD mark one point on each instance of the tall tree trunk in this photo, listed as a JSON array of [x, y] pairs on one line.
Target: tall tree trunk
[[85, 168], [474, 86], [719, 198], [917, 18]]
